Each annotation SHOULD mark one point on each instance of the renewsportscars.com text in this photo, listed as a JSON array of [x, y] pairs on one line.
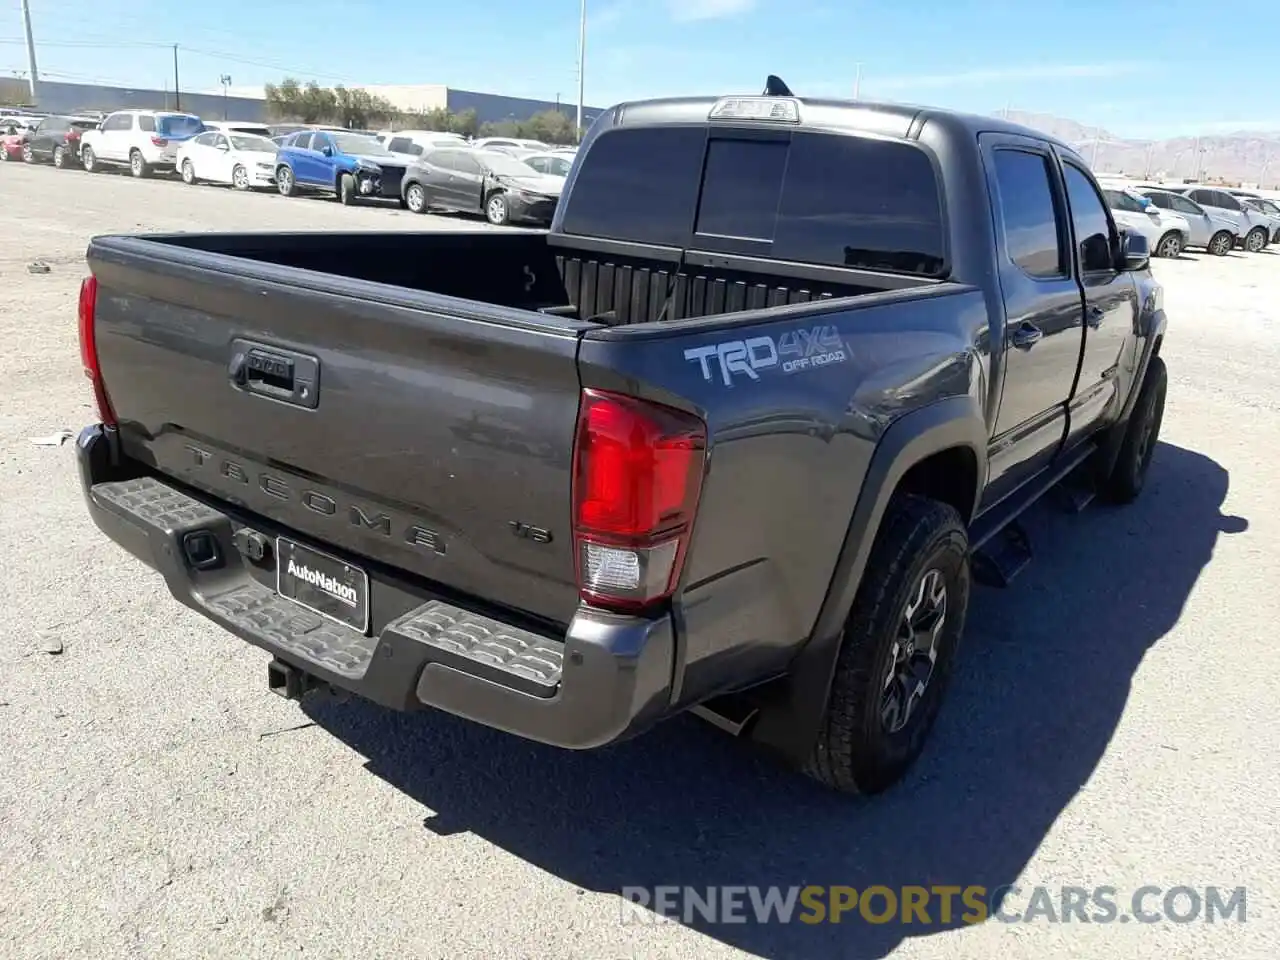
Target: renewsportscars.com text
[[933, 905]]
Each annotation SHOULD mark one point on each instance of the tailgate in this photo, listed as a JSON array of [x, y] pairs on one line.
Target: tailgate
[[403, 427]]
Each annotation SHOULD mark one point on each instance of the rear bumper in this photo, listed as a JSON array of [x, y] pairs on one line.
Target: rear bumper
[[606, 679]]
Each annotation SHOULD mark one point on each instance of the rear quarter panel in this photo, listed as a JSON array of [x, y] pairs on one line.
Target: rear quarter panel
[[787, 450]]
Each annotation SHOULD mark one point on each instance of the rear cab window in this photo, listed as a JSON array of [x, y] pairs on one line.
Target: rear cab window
[[832, 199]]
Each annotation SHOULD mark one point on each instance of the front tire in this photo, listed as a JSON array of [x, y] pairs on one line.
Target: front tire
[[1221, 243], [188, 173], [1170, 245], [137, 165], [1141, 434], [347, 189], [240, 178], [60, 157], [898, 648], [415, 198], [1255, 240], [496, 210], [27, 155], [88, 160], [285, 183]]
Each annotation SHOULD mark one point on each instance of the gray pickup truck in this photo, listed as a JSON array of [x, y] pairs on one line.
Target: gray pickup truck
[[734, 436]]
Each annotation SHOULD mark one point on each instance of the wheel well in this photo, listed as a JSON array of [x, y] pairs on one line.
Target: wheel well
[[1155, 347], [949, 476]]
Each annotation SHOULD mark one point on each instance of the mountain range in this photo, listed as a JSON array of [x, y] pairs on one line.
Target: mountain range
[[1247, 158]]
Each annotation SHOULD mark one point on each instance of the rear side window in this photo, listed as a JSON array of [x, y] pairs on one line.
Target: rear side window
[[1225, 200], [1180, 204], [827, 199], [1028, 214], [146, 122], [1162, 200]]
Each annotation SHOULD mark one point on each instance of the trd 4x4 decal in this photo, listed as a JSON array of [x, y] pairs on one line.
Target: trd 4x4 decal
[[792, 352]]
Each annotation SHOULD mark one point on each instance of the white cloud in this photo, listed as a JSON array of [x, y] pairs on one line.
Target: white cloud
[[686, 11], [995, 75]]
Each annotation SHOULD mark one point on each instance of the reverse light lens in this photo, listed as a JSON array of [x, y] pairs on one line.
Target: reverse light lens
[[637, 477]]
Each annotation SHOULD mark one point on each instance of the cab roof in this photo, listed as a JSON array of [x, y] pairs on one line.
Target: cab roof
[[853, 116]]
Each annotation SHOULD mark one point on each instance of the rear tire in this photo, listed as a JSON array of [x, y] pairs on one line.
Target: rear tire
[[60, 157], [1141, 434], [138, 166], [88, 160], [1220, 244], [898, 648], [27, 155]]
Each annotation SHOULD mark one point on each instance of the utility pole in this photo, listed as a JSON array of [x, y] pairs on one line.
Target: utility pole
[[225, 80], [31, 49], [857, 82], [582, 62], [177, 95]]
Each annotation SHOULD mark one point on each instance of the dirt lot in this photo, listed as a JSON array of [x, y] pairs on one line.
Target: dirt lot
[[1114, 722]]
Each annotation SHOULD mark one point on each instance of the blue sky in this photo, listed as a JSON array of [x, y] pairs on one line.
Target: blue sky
[[1140, 68]]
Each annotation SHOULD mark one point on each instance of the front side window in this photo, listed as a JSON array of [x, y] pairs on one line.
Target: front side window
[[1089, 217], [1028, 214]]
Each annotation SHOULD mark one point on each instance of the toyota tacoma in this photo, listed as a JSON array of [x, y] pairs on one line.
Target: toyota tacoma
[[734, 436]]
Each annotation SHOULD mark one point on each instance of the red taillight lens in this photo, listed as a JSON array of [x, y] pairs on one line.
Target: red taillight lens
[[159, 142], [637, 476], [89, 348], [71, 136]]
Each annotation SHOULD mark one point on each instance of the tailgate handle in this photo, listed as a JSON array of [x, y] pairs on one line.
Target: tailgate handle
[[275, 373]]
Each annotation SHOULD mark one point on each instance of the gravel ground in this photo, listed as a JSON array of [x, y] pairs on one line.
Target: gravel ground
[[1113, 722]]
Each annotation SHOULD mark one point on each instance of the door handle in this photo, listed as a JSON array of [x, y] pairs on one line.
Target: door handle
[[1093, 316], [1027, 336]]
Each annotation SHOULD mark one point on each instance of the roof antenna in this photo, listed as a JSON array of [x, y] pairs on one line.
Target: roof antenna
[[774, 87]]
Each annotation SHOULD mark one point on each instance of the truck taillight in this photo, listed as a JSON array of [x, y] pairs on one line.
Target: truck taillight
[[159, 142], [89, 348], [637, 475]]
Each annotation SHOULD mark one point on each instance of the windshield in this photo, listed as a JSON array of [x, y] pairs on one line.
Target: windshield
[[351, 143], [252, 143], [505, 165], [178, 125]]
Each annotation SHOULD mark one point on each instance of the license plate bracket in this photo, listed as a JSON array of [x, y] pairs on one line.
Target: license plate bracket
[[322, 583]]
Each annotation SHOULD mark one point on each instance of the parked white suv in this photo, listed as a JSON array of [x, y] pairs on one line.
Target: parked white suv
[[1251, 227], [1216, 234], [144, 140], [1167, 233]]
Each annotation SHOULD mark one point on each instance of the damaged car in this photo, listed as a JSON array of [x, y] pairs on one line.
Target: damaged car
[[348, 165]]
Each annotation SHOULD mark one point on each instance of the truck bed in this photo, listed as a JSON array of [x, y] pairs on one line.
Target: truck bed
[[524, 271]]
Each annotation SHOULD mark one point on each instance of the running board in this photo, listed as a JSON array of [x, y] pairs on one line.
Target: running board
[[999, 544]]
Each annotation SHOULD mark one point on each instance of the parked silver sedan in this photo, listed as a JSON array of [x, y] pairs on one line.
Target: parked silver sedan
[[1215, 234]]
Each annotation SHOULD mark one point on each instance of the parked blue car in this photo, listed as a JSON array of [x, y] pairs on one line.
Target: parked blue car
[[346, 164]]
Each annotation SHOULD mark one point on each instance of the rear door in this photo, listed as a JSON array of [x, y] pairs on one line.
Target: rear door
[[1110, 299], [1044, 314], [116, 134]]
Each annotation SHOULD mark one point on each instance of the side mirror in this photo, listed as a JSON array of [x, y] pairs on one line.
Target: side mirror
[[1135, 252], [327, 151]]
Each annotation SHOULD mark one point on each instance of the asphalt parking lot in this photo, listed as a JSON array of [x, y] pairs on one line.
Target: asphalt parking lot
[[1114, 721]]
